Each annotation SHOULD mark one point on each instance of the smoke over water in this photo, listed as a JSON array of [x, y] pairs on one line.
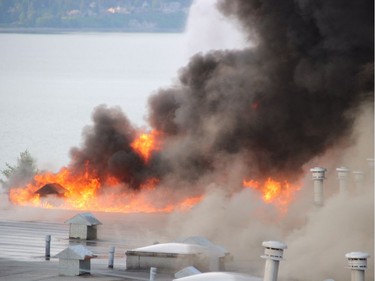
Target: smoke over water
[[277, 105]]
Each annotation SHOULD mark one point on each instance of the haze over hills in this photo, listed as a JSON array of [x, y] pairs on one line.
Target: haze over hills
[[124, 15]]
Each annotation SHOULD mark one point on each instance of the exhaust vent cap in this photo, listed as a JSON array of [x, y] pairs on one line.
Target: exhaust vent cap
[[357, 260], [273, 250], [318, 173]]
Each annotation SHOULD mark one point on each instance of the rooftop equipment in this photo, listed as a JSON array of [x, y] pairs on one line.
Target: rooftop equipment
[[358, 179], [168, 257], [171, 257], [83, 226], [342, 174], [370, 162], [318, 175], [357, 263], [187, 271], [273, 253], [75, 260]]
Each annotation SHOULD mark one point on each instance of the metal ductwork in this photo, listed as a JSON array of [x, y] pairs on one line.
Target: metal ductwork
[[357, 263], [273, 254], [318, 175]]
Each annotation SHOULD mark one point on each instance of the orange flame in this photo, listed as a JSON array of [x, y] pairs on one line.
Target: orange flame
[[274, 192], [84, 192], [145, 144]]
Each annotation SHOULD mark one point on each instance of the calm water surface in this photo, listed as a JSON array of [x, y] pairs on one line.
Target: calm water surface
[[50, 83]]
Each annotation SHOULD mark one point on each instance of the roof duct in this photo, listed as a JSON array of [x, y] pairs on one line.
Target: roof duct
[[357, 262], [273, 253], [318, 175], [342, 174], [358, 179]]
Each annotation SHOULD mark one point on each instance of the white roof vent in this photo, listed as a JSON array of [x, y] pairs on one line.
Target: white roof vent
[[273, 253], [342, 172], [318, 173], [357, 262], [342, 175], [273, 250]]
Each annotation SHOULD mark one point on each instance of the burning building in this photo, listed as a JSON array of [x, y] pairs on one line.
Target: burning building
[[246, 119], [271, 107]]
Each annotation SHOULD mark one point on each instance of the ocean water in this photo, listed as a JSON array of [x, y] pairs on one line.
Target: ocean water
[[50, 84]]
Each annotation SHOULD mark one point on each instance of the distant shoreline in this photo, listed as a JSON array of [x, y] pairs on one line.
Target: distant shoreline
[[47, 30]]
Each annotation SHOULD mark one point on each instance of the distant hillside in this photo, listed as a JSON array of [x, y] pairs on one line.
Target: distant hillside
[[126, 15]]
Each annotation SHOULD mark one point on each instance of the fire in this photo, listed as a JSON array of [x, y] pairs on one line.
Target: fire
[[84, 192], [145, 144], [274, 192]]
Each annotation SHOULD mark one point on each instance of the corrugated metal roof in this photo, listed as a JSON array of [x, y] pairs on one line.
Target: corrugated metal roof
[[84, 219]]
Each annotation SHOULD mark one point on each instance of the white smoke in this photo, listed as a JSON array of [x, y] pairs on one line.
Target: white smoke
[[317, 238], [207, 29]]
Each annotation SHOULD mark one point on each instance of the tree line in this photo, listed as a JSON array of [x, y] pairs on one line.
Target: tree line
[[138, 15]]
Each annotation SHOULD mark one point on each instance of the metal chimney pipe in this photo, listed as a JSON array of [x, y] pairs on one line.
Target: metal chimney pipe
[[357, 262], [342, 174], [370, 162], [48, 247], [153, 271], [358, 179], [273, 253], [111, 257], [318, 175]]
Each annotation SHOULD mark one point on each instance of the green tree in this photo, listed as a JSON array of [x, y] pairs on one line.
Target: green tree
[[21, 173]]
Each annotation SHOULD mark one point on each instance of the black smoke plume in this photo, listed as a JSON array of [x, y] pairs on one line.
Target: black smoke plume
[[277, 105], [107, 148]]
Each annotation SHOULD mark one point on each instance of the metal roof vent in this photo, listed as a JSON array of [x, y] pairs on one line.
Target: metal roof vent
[[318, 175], [342, 175], [358, 179], [357, 262], [273, 253], [370, 162], [75, 260], [83, 226]]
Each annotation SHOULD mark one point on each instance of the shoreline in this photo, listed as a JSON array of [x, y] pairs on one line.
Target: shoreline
[[53, 30]]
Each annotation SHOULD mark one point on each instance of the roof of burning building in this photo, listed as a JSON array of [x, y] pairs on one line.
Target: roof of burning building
[[51, 189], [84, 219]]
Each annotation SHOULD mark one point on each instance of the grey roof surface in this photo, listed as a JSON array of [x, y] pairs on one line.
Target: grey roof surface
[[219, 276]]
